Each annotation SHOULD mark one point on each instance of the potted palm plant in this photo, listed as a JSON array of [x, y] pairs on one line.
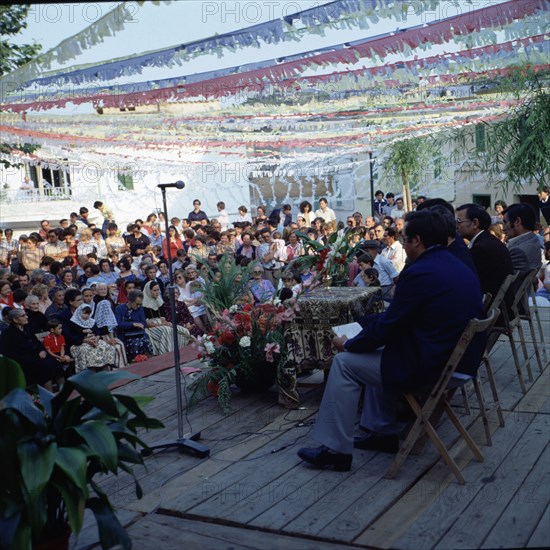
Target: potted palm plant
[[53, 446]]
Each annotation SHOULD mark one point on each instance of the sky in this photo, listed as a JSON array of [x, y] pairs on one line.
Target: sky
[[155, 26]]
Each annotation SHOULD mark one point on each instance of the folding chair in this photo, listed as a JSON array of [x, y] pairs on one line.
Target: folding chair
[[436, 399], [527, 314], [496, 303], [515, 298]]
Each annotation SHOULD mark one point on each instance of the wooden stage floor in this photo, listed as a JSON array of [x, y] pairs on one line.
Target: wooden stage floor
[[254, 492]]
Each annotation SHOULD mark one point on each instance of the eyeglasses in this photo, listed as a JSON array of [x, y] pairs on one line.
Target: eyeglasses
[[459, 221], [179, 276]]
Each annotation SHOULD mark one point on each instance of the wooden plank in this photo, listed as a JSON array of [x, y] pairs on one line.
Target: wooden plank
[[173, 493], [283, 482], [164, 466], [537, 394], [441, 505], [352, 521], [393, 523], [521, 517], [486, 507], [541, 535], [339, 508], [159, 531]]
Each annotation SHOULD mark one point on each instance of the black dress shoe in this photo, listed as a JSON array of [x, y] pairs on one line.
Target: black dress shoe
[[322, 457], [376, 442]]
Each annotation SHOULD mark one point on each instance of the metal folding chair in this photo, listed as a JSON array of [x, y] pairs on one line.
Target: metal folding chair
[[436, 399]]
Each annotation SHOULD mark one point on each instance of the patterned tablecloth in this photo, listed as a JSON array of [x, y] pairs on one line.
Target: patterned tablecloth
[[309, 336]]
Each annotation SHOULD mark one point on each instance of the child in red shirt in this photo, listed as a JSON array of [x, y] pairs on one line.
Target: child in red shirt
[[55, 342]]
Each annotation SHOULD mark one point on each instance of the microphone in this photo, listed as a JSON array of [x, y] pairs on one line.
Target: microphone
[[179, 185]]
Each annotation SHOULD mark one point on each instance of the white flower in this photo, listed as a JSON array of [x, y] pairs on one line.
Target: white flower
[[244, 342], [276, 302], [209, 346], [233, 308]]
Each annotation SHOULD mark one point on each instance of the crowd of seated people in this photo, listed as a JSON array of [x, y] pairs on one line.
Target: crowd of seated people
[[99, 295]]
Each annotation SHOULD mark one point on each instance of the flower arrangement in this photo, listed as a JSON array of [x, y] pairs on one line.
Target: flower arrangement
[[328, 261], [245, 347]]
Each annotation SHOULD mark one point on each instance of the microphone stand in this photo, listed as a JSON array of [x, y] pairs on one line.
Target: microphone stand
[[187, 444]]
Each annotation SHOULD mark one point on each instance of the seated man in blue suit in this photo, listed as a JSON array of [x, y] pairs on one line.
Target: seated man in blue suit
[[405, 347]]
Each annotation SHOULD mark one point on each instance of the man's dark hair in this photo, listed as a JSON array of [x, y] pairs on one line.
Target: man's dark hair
[[393, 233], [379, 192], [428, 226], [474, 211], [97, 204], [523, 211], [390, 195], [435, 202], [83, 210]]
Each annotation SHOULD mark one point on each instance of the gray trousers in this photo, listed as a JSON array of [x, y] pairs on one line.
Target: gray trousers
[[349, 374]]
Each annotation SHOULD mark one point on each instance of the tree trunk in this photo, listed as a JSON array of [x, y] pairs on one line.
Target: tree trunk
[[406, 193]]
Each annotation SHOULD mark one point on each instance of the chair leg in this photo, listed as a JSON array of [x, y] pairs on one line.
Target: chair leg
[[465, 400], [483, 410], [535, 341], [536, 313], [494, 391], [527, 360], [414, 434], [516, 361], [463, 432]]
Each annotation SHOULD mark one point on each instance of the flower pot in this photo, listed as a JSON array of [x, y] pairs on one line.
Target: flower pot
[[258, 380], [59, 543]]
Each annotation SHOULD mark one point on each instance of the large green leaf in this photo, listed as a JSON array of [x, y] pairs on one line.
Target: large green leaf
[[72, 462], [36, 464], [46, 398], [11, 376], [95, 389], [110, 530], [75, 503], [20, 401], [101, 442]]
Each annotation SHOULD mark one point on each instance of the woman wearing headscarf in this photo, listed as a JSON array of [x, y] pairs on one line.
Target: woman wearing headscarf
[[93, 352], [158, 328], [107, 324]]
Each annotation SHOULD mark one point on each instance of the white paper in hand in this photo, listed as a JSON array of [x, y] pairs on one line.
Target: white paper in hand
[[349, 330]]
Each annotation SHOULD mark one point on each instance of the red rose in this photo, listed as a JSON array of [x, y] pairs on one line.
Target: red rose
[[227, 338]]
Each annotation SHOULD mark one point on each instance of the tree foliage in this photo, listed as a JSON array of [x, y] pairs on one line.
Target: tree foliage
[[516, 147], [407, 158], [13, 19]]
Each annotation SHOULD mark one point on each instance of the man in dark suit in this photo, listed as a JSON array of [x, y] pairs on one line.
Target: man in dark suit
[[435, 298], [491, 257]]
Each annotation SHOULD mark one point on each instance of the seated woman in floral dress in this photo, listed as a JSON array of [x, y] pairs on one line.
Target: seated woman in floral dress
[[158, 328], [93, 352], [131, 322]]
